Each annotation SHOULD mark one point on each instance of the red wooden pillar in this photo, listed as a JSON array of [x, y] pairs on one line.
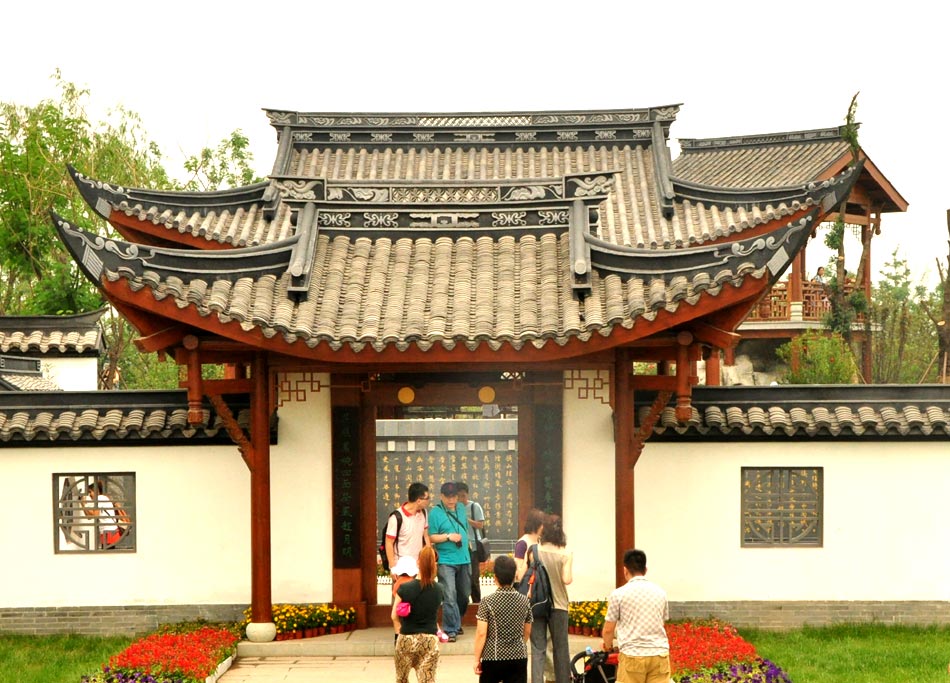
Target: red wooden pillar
[[795, 289], [623, 457], [261, 607], [713, 368]]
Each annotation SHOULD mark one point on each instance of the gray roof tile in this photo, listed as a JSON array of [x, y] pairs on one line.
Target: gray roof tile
[[79, 417], [857, 411]]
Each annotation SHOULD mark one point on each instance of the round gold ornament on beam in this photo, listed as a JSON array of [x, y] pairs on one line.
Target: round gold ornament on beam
[[486, 394]]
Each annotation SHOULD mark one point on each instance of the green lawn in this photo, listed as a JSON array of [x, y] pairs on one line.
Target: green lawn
[[837, 654], [54, 659], [858, 653]]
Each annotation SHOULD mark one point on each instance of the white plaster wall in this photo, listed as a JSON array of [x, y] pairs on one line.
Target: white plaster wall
[[301, 494], [589, 493], [72, 373], [193, 517], [886, 507]]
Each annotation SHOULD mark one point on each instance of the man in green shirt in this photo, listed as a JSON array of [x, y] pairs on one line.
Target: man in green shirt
[[448, 534]]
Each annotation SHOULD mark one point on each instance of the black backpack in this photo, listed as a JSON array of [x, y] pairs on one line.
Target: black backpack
[[382, 537], [536, 585]]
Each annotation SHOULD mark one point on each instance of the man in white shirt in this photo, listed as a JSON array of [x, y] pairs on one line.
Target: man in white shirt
[[406, 536], [637, 613]]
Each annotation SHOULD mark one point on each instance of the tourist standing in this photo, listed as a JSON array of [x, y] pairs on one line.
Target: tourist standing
[[417, 646], [559, 563], [533, 525], [476, 533], [406, 536], [448, 532], [637, 613], [504, 624]]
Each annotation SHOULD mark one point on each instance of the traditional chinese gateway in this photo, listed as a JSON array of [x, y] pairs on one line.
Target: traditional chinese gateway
[[525, 259]]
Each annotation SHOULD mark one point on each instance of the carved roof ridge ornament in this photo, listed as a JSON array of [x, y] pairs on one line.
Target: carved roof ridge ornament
[[105, 197], [663, 171], [96, 254], [69, 322], [774, 250], [762, 139], [468, 120], [476, 129]]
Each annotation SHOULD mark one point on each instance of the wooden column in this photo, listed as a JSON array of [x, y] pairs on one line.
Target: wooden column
[[623, 456], [713, 368], [526, 456], [261, 606], [867, 233], [796, 277], [353, 467], [368, 551]]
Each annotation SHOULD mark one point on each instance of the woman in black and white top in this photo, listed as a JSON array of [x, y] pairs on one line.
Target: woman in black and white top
[[504, 624]]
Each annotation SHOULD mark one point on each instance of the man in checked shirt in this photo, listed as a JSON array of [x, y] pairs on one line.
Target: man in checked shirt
[[636, 614]]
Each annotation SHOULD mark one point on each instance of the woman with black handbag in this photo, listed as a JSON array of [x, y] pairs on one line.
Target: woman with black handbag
[[559, 563]]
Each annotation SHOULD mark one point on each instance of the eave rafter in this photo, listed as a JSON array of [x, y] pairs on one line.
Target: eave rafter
[[574, 347]]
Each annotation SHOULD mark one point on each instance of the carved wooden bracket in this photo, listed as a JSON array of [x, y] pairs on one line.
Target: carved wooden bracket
[[233, 428], [646, 427], [684, 408]]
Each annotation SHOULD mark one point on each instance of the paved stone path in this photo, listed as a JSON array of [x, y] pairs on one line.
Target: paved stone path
[[364, 656]]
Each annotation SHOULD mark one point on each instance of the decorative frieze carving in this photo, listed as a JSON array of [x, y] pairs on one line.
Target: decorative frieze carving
[[587, 385], [589, 186], [381, 220], [296, 387], [474, 137], [553, 217], [450, 220], [334, 219], [503, 219], [305, 190], [444, 195]]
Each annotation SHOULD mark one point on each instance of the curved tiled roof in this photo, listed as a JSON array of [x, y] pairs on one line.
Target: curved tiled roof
[[23, 382], [423, 291], [463, 230], [78, 333], [757, 161], [848, 411], [353, 151], [80, 417]]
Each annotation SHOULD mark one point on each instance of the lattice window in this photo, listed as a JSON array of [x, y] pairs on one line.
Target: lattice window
[[94, 512], [782, 506]]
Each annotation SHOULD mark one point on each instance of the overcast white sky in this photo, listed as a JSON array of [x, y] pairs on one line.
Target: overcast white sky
[[196, 70]]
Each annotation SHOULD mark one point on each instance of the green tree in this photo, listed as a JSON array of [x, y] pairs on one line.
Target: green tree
[[227, 165], [904, 341], [846, 305], [818, 358], [37, 276], [937, 308]]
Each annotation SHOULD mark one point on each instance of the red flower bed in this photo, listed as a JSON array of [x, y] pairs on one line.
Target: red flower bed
[[193, 655], [696, 646]]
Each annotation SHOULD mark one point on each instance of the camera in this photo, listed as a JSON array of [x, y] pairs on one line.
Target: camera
[[458, 544]]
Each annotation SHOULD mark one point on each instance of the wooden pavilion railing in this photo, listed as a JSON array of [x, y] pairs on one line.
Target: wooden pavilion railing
[[776, 305]]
